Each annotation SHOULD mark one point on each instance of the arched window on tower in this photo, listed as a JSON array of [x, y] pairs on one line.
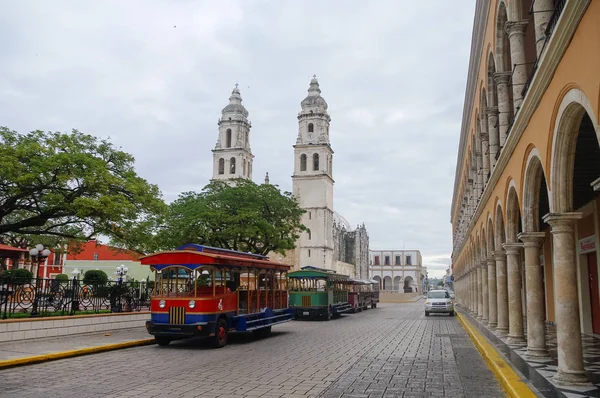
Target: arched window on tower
[[243, 167], [232, 166], [228, 138], [316, 161], [303, 162], [221, 166], [311, 128], [309, 235]]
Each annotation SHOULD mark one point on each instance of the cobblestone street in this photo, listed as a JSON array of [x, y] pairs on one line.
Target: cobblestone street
[[392, 351]]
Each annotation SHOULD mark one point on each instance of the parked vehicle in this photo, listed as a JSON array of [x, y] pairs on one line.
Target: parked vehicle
[[318, 293], [209, 292], [439, 301]]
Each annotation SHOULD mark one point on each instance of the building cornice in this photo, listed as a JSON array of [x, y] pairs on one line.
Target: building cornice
[[477, 36], [313, 177], [551, 57]]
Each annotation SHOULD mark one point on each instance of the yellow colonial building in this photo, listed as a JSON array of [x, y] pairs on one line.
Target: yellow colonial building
[[525, 204]]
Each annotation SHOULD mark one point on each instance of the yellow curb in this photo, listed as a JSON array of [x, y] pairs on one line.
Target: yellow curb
[[510, 381], [9, 363]]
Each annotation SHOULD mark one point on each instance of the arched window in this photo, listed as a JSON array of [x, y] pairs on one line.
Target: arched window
[[228, 138], [303, 162], [311, 127], [243, 167], [221, 166], [316, 161], [232, 166], [309, 235]]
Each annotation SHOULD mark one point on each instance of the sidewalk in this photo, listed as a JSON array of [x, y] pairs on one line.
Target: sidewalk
[[25, 352]]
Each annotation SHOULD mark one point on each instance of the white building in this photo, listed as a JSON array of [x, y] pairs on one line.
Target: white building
[[330, 242], [396, 270], [232, 157]]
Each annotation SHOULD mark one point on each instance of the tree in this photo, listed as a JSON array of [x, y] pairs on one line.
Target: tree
[[242, 216], [64, 187]]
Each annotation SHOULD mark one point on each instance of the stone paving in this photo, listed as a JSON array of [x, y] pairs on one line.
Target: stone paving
[[391, 351]]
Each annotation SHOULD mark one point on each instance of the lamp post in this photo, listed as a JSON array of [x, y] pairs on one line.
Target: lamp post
[[121, 273], [38, 253]]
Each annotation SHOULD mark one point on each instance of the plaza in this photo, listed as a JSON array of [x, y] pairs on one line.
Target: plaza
[[391, 351]]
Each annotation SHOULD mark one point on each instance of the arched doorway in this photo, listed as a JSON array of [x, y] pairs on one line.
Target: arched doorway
[[387, 283], [397, 281], [378, 279], [409, 284]]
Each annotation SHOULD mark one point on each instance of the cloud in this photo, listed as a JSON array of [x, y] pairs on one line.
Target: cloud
[[154, 76]]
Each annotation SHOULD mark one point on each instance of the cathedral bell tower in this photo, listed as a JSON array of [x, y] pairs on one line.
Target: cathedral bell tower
[[312, 182], [232, 157]]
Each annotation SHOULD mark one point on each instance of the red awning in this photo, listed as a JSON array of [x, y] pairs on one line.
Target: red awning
[[7, 248], [189, 257]]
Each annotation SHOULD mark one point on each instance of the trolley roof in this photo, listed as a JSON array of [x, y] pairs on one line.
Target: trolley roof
[[192, 256], [313, 272]]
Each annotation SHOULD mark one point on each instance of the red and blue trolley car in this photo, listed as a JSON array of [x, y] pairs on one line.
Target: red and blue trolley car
[[209, 292]]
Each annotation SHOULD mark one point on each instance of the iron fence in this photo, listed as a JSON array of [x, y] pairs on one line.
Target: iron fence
[[51, 297]]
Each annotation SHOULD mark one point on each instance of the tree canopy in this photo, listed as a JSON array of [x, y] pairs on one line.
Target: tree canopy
[[241, 216], [59, 187]]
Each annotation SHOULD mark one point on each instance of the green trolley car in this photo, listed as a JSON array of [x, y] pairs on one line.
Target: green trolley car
[[318, 293]]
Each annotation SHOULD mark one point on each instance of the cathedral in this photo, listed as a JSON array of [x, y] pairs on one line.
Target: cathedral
[[330, 242]]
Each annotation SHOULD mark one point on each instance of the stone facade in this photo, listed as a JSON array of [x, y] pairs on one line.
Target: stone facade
[[396, 270], [525, 210]]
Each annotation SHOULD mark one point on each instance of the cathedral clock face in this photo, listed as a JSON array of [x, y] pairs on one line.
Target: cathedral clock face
[[310, 137]]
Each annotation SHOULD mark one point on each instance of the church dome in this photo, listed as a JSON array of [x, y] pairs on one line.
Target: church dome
[[314, 98], [340, 220], [235, 104]]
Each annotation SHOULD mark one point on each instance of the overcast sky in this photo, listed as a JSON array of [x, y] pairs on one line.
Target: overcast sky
[[154, 75]]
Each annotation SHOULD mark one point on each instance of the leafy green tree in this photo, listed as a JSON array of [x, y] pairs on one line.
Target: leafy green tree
[[241, 216], [62, 277], [95, 277], [62, 187]]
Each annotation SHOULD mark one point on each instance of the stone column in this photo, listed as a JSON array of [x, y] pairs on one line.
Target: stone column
[[516, 35], [479, 292], [504, 113], [484, 291], [568, 332], [502, 293], [493, 302], [492, 116], [515, 304], [485, 158], [534, 278], [542, 11], [471, 294]]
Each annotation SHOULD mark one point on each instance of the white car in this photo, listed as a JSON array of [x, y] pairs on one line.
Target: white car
[[439, 301]]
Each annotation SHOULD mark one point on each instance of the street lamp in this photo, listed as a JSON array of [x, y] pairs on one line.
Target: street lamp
[[121, 273], [38, 253]]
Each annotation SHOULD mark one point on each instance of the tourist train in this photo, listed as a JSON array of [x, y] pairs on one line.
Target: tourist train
[[203, 291]]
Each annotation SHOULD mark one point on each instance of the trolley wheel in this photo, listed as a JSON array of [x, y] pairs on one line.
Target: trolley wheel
[[162, 341], [373, 305], [262, 332], [221, 333]]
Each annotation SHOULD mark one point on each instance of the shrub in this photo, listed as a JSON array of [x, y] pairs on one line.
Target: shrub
[[95, 277], [17, 276], [62, 277]]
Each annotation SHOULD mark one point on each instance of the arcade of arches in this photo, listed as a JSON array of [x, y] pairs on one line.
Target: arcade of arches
[[526, 205]]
